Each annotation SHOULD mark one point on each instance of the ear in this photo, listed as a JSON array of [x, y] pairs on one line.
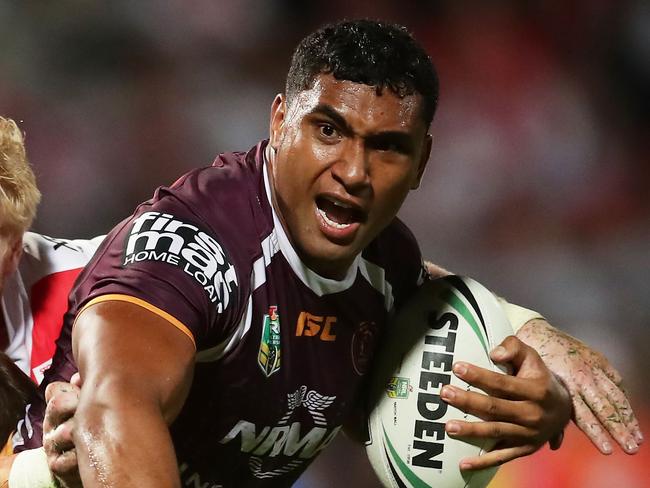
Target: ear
[[278, 113], [424, 159]]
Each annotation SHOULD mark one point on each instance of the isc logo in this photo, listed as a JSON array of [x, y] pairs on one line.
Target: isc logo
[[312, 325]]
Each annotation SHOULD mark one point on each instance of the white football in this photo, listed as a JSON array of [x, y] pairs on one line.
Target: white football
[[448, 320]]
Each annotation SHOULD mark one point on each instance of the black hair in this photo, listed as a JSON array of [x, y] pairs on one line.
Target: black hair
[[16, 390], [374, 53]]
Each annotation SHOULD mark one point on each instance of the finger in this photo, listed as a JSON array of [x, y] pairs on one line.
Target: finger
[[56, 388], [76, 380], [513, 350], [497, 431], [496, 457], [608, 416], [590, 425], [50, 447], [619, 420], [620, 400], [61, 405], [64, 464], [621, 403], [497, 384], [59, 440], [62, 436], [600, 361], [488, 407]]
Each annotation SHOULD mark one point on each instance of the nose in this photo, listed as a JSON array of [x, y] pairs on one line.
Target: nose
[[351, 168]]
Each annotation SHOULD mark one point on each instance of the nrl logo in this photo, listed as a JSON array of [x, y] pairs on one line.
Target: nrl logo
[[269, 356], [398, 387]]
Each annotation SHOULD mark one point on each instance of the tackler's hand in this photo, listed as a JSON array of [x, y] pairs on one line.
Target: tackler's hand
[[521, 412], [599, 402], [58, 426]]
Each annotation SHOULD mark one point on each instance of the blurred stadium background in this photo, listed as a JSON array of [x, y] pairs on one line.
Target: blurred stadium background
[[538, 183]]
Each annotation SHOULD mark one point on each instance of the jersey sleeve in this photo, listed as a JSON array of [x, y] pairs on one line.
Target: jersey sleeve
[[169, 260]]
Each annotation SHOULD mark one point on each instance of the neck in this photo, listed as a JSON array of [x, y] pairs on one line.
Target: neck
[[334, 272]]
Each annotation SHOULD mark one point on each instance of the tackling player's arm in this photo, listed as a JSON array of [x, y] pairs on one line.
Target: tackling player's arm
[[137, 368], [600, 405]]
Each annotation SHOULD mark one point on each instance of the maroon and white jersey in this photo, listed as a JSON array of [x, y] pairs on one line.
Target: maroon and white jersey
[[281, 352], [35, 298]]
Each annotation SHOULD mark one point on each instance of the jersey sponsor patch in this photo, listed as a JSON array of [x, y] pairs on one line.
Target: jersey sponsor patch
[[279, 449], [161, 237]]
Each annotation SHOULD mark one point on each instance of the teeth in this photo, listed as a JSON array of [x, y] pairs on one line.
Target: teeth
[[331, 222]]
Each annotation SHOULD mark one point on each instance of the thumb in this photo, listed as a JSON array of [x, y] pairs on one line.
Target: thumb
[[512, 350], [508, 351]]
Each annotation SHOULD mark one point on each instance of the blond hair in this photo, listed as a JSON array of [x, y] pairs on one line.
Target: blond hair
[[19, 195]]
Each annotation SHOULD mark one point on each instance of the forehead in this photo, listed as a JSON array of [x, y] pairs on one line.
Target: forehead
[[361, 105]]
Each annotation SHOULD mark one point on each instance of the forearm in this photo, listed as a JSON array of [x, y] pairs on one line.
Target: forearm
[[135, 381], [123, 441], [539, 334], [600, 404]]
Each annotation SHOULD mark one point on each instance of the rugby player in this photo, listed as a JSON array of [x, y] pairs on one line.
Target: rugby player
[[231, 306], [36, 275], [36, 271]]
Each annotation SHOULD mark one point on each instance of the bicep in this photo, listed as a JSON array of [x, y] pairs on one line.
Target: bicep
[[124, 349]]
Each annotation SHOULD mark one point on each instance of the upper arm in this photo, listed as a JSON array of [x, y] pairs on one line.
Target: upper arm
[[123, 349]]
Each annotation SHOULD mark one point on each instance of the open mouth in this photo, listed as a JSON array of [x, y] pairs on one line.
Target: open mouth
[[338, 214]]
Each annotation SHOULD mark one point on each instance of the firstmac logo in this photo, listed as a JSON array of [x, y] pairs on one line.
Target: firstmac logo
[[164, 238]]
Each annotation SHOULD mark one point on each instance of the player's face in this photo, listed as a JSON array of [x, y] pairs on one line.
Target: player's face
[[343, 159]]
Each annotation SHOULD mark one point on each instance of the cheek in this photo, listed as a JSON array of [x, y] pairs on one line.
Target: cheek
[[307, 161], [389, 198], [393, 181]]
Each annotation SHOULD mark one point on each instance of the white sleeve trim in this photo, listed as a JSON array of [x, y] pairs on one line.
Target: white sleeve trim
[[518, 316]]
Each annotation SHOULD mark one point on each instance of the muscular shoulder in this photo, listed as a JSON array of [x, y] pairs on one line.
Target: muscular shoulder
[[188, 251], [224, 196]]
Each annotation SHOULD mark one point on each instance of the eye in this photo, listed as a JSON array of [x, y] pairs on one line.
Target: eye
[[328, 131], [388, 146], [391, 146]]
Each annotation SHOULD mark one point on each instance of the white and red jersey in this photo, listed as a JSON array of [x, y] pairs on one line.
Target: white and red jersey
[[35, 298]]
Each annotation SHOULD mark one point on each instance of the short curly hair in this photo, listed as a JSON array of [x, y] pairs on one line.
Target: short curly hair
[[19, 195], [371, 52]]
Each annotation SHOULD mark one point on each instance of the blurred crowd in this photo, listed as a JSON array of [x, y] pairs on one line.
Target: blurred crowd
[[538, 182]]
